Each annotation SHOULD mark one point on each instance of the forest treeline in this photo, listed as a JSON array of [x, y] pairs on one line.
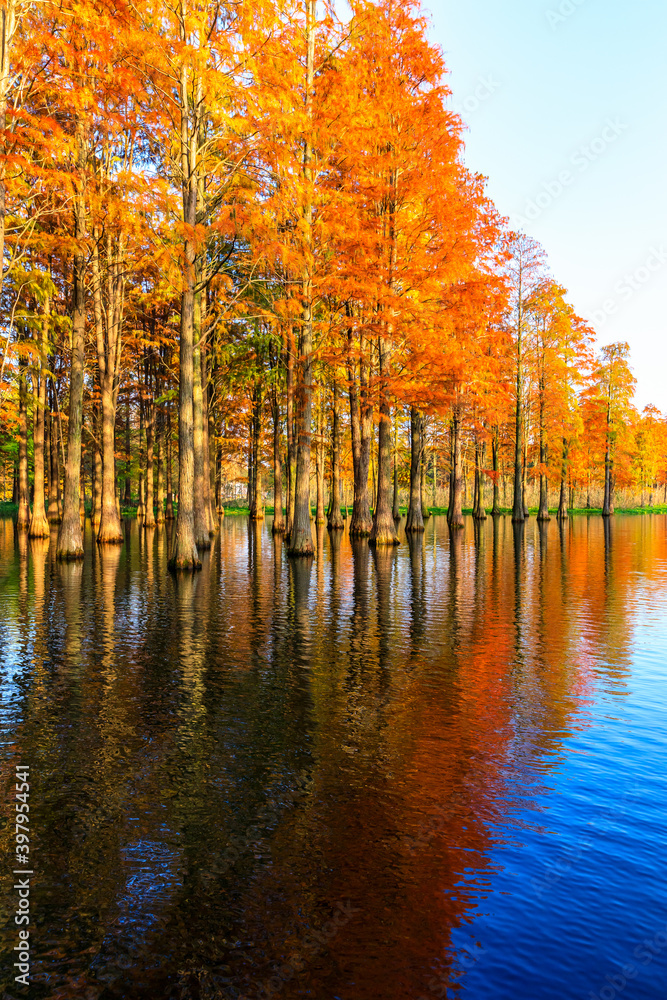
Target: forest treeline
[[240, 242]]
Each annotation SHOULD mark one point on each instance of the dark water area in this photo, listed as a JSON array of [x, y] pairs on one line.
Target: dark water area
[[431, 772]]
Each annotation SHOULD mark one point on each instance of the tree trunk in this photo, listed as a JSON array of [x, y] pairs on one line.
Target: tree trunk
[[518, 508], [335, 520], [169, 512], [256, 507], [319, 468], [54, 479], [39, 525], [479, 512], [202, 528], [395, 508], [455, 513], [128, 453], [608, 505], [415, 521], [495, 444], [97, 481], [301, 539], [562, 502], [543, 513], [23, 521], [361, 424], [278, 516], [384, 528], [70, 534], [159, 516]]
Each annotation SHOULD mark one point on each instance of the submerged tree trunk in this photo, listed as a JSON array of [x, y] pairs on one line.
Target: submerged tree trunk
[[128, 453], [415, 521], [608, 505], [562, 502], [278, 516], [39, 525], [384, 528], [479, 511], [543, 513], [335, 520], [70, 534], [169, 512], [455, 512], [361, 424], [256, 507], [54, 478], [97, 478], [23, 521], [396, 508], [159, 514], [495, 446], [301, 538], [319, 469]]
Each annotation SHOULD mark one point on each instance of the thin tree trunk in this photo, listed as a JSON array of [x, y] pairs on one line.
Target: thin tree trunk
[[256, 507], [278, 516], [319, 468], [23, 521], [395, 508], [159, 516], [479, 511], [562, 502], [543, 513], [39, 525], [128, 453], [169, 512], [415, 521], [456, 511], [54, 481], [361, 424], [70, 534], [495, 445], [384, 528], [335, 521], [301, 539]]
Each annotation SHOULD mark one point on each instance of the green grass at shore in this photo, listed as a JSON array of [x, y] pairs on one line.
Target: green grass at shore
[[7, 509]]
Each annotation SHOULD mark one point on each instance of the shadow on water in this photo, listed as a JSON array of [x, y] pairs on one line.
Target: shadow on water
[[296, 777]]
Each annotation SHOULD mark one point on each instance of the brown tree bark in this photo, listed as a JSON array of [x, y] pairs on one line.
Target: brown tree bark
[[455, 512], [562, 502], [278, 516], [415, 521], [39, 525], [301, 538], [384, 528], [335, 518], [495, 448], [70, 534], [361, 425], [23, 521]]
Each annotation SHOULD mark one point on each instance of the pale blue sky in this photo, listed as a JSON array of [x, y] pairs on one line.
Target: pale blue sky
[[583, 94]]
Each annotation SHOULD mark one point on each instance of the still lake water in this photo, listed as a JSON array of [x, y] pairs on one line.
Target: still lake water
[[431, 772]]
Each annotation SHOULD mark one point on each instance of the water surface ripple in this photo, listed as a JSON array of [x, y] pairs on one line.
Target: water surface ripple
[[430, 772]]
